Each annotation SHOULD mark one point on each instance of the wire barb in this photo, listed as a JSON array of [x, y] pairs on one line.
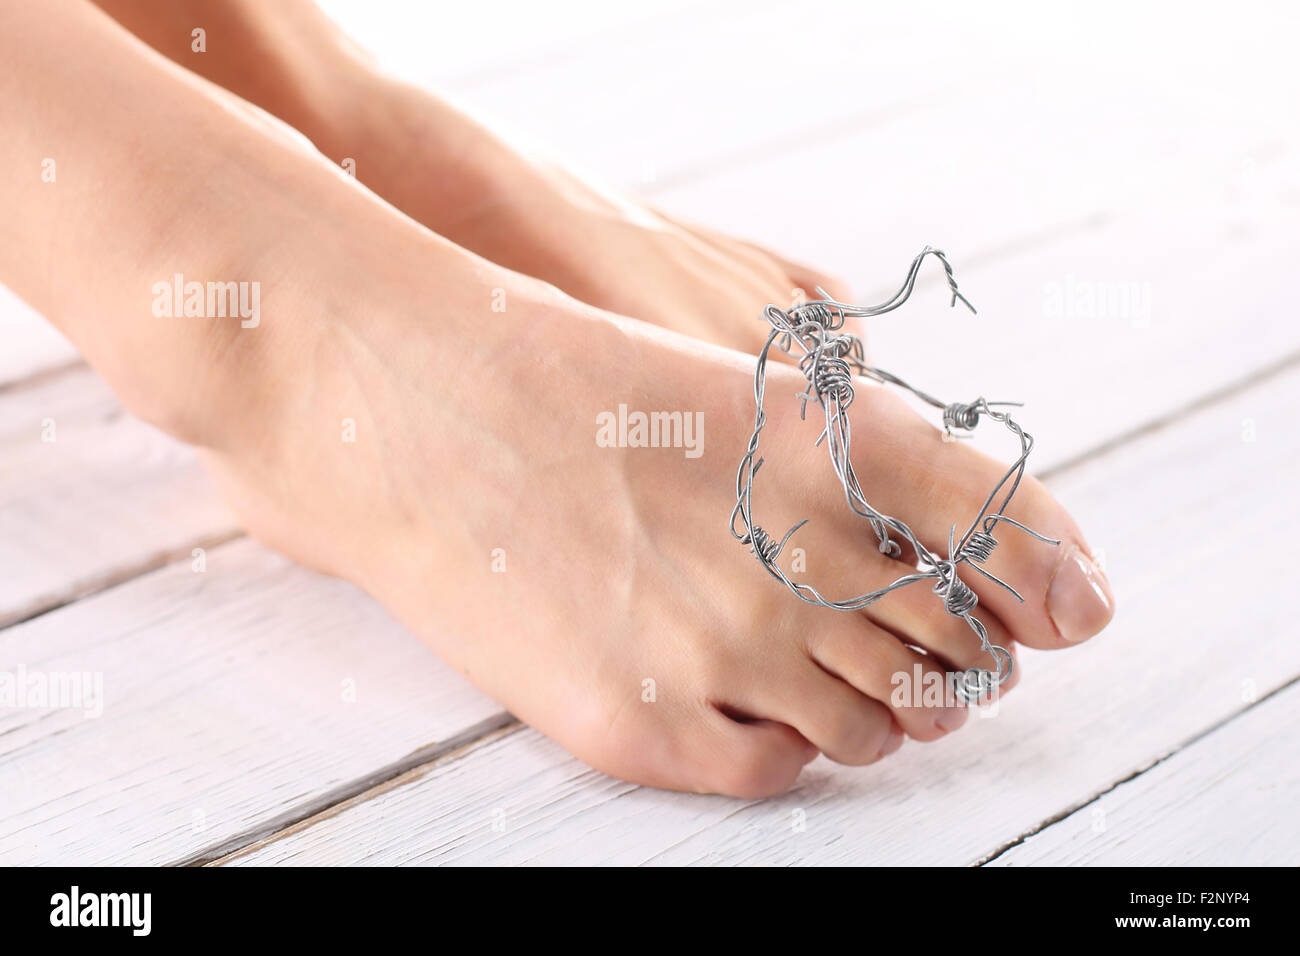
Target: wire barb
[[830, 359]]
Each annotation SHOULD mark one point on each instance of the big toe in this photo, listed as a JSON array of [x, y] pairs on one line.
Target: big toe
[[933, 485], [1079, 599], [1066, 596]]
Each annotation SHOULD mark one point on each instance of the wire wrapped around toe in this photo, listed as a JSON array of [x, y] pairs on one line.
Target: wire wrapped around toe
[[830, 359]]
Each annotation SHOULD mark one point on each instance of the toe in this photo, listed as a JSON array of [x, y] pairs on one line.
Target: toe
[[798, 276], [1066, 597], [752, 759], [839, 720], [1079, 599], [932, 485], [917, 616], [810, 280], [804, 278], [914, 687]]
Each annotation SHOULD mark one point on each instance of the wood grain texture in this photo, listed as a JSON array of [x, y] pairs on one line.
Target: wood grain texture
[[1189, 519], [231, 698], [1228, 798], [31, 346], [1113, 285], [90, 496], [715, 86]]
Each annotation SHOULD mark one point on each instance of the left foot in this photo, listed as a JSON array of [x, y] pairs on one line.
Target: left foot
[[463, 182], [448, 172]]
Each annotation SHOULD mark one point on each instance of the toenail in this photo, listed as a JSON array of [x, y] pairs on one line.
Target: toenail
[[1079, 598], [892, 742]]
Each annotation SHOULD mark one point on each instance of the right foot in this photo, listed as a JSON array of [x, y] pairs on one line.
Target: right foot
[[475, 430]]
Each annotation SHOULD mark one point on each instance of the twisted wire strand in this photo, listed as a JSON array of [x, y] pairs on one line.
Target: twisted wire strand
[[829, 359]]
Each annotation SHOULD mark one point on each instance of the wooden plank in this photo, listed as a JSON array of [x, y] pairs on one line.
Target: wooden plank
[[230, 698], [708, 87], [491, 39], [1228, 798], [90, 496], [31, 345], [959, 129], [1199, 617], [1165, 272]]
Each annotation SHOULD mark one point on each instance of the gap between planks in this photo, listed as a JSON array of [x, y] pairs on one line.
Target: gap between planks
[[1181, 748], [395, 775]]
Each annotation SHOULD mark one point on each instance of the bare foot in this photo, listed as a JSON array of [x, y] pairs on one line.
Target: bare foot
[[600, 247], [447, 171], [448, 459], [384, 422]]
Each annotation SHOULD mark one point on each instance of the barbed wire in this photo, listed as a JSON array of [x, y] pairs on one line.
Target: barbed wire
[[829, 359]]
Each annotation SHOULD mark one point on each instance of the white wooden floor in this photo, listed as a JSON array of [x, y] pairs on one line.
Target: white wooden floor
[[1119, 189]]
